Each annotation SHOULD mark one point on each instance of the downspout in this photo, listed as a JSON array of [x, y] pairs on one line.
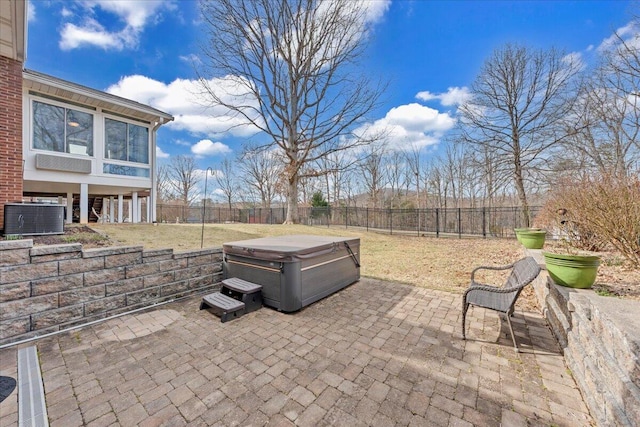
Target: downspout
[[154, 174]]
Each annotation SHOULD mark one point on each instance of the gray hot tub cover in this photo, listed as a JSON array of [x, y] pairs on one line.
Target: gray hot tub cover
[[286, 248]]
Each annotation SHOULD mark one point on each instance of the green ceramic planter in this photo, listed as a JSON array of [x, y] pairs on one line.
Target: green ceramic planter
[[573, 271], [531, 238]]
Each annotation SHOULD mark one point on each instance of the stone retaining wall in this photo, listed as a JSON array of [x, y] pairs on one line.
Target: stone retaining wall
[[601, 341], [47, 288]]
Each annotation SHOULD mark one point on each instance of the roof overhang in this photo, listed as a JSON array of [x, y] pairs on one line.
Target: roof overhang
[[64, 90], [13, 25]]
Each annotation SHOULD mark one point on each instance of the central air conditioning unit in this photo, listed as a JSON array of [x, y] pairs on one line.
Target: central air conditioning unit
[[33, 219]]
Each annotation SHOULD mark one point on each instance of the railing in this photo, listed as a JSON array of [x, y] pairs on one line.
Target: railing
[[486, 222]]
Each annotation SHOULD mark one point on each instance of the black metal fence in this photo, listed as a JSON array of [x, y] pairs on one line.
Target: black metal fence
[[486, 222]]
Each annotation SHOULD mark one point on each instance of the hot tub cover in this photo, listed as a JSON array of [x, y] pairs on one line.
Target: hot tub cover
[[286, 248]]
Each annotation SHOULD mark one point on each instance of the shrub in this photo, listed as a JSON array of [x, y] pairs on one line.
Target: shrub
[[319, 205], [597, 211]]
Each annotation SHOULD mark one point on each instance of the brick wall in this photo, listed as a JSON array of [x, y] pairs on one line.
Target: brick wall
[[47, 288], [10, 133], [600, 337]]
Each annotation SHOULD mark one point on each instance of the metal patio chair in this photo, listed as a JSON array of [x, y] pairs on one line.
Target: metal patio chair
[[501, 299]]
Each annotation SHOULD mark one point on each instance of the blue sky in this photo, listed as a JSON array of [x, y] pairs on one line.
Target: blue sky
[[429, 52]]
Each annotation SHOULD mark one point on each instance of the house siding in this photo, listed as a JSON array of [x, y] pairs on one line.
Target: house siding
[[10, 133]]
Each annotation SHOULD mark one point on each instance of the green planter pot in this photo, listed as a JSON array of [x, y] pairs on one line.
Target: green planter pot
[[531, 238], [573, 271]]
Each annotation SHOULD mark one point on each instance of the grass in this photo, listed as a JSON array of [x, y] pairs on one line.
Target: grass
[[443, 263], [604, 292], [85, 238]]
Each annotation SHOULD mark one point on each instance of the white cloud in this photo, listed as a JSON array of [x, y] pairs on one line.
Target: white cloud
[[410, 126], [92, 33], [573, 61], [182, 142], [627, 33], [182, 99], [206, 147], [134, 13], [31, 12], [190, 59], [200, 174], [375, 9], [161, 154], [418, 118], [453, 96], [357, 21], [133, 16]]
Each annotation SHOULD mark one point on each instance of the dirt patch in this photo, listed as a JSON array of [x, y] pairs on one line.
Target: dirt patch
[[616, 278], [73, 233]]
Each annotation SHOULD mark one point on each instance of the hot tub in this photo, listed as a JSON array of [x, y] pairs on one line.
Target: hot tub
[[294, 271]]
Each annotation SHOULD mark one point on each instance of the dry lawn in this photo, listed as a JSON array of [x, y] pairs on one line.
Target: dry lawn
[[443, 263]]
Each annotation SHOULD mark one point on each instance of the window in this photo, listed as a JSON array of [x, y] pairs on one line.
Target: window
[[62, 129], [114, 169], [126, 141]]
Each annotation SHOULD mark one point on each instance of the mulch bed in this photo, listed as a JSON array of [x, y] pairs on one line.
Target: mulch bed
[[73, 233]]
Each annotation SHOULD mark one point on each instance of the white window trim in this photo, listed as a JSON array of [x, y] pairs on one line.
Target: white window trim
[[48, 101], [131, 122]]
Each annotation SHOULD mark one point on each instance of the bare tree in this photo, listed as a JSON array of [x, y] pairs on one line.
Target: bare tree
[[290, 69], [163, 183], [453, 166], [338, 166], [414, 171], [605, 130], [260, 173], [436, 183], [395, 167], [225, 178], [492, 174], [520, 100], [373, 175], [183, 178]]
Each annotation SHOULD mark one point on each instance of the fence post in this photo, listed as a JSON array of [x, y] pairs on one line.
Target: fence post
[[390, 222], [418, 222], [484, 222], [459, 223], [346, 217], [437, 222], [367, 216]]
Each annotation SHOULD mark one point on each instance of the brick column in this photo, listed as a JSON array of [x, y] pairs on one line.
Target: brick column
[[10, 133]]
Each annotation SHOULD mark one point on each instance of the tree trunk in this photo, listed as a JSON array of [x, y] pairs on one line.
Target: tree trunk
[[292, 201], [522, 195]]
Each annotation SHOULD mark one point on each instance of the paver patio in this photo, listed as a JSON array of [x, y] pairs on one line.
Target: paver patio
[[376, 353]]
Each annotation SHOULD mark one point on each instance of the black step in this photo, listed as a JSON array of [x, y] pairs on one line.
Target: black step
[[225, 307]]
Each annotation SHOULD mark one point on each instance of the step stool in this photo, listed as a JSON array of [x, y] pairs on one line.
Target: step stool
[[223, 306], [249, 293], [236, 297]]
